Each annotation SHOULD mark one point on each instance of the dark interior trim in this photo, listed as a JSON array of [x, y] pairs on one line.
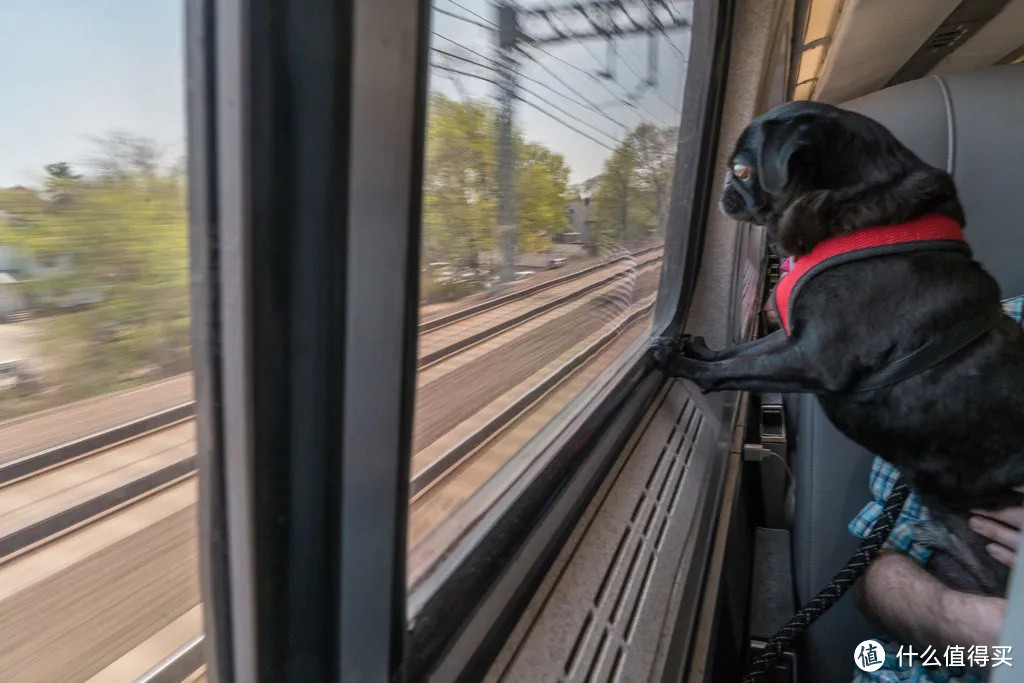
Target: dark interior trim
[[962, 23], [203, 271], [801, 12], [305, 193], [1012, 58]]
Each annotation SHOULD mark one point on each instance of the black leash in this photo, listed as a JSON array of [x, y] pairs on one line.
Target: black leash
[[835, 589]]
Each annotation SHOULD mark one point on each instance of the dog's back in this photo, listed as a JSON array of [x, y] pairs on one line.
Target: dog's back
[[958, 428], [955, 430]]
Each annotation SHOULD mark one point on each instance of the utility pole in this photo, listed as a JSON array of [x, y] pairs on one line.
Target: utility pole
[[507, 36], [577, 20]]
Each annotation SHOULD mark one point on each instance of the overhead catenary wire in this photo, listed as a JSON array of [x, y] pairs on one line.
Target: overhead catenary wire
[[527, 102], [583, 100], [625, 61], [534, 94], [478, 16], [467, 20], [491, 26], [626, 97], [661, 27], [618, 98], [570, 127]]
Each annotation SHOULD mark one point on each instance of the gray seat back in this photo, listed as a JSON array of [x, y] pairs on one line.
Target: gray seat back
[[970, 124]]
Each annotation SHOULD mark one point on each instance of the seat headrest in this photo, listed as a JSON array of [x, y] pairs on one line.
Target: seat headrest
[[972, 125]]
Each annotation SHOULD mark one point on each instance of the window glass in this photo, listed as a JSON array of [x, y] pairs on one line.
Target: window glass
[[98, 572], [548, 166]]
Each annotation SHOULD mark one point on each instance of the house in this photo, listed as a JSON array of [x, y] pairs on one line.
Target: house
[[580, 217]]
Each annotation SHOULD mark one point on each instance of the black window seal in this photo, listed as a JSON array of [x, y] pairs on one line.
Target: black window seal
[[696, 159], [203, 272]]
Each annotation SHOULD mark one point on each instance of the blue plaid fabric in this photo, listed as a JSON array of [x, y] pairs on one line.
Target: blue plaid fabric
[[881, 482]]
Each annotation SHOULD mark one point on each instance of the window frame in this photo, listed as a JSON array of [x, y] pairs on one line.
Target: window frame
[[347, 439], [523, 532], [305, 283]]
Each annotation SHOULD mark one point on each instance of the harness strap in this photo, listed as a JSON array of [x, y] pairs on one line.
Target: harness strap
[[933, 353], [927, 233]]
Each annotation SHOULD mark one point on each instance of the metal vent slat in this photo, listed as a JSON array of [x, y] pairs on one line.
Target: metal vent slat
[[599, 649]]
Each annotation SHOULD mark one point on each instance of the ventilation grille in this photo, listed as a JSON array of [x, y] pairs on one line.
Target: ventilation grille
[[612, 617], [947, 36]]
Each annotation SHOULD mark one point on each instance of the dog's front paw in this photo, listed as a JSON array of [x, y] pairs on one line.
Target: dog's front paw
[[695, 347], [663, 350], [669, 356]]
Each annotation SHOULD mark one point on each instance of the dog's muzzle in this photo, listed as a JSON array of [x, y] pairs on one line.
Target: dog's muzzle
[[739, 201]]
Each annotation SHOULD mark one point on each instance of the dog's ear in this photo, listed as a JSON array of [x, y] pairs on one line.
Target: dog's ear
[[779, 148]]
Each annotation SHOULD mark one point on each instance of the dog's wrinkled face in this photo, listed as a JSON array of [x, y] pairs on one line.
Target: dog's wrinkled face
[[808, 170], [759, 172]]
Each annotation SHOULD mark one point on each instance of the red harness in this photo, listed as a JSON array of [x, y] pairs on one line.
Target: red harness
[[921, 234]]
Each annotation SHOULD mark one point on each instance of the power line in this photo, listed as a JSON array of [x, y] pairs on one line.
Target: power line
[[460, 72], [478, 16], [541, 98], [586, 103], [528, 103], [570, 127], [570, 115], [573, 90], [643, 82], [453, 15], [467, 49], [625, 98], [625, 61], [661, 26], [545, 67]]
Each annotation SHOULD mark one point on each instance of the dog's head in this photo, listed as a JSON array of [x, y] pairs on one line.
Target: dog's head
[[809, 170]]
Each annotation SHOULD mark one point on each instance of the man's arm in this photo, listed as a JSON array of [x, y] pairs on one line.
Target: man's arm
[[919, 609]]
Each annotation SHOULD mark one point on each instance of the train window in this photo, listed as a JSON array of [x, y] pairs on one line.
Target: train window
[[98, 572], [549, 159]]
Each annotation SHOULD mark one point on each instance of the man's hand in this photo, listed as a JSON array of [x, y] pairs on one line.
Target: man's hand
[[1003, 528]]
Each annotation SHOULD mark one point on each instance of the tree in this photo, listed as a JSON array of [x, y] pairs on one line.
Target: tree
[[61, 171], [119, 240], [59, 178], [543, 195], [633, 192], [19, 205], [655, 150], [460, 193]]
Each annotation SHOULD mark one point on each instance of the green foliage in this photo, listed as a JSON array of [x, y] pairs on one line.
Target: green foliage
[[633, 193], [460, 191], [542, 185], [459, 188], [120, 236], [61, 171]]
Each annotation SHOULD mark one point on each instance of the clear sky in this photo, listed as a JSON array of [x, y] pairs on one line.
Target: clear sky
[[74, 69]]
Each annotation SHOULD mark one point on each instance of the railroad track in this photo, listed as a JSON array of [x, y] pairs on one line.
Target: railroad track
[[65, 488], [116, 466], [491, 448], [439, 321]]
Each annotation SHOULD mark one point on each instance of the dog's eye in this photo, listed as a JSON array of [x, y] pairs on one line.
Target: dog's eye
[[742, 171]]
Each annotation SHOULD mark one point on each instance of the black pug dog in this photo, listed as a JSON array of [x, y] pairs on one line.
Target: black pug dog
[[810, 171]]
